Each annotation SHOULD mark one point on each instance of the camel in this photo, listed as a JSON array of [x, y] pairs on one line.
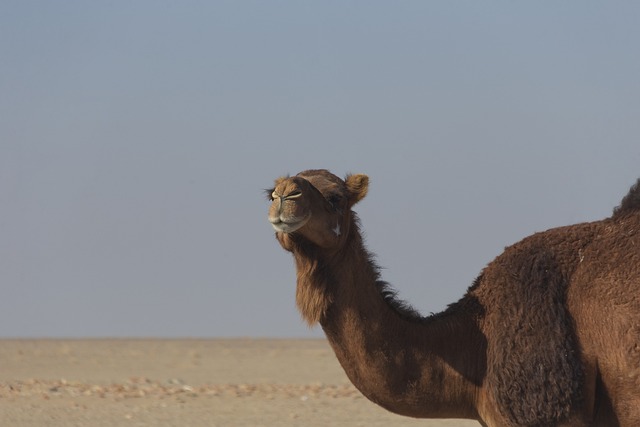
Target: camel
[[547, 335]]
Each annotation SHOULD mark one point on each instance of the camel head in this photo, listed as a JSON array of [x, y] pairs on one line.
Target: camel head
[[315, 206]]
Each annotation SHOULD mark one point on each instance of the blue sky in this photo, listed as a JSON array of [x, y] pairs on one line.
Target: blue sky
[[136, 139]]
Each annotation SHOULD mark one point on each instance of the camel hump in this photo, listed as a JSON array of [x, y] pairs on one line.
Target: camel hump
[[630, 202]]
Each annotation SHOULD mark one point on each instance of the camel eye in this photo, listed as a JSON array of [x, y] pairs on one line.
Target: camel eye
[[294, 194], [334, 200]]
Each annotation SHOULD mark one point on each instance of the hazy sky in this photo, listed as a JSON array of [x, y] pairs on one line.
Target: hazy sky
[[136, 139]]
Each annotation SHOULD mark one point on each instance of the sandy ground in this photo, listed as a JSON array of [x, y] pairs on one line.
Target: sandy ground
[[183, 383]]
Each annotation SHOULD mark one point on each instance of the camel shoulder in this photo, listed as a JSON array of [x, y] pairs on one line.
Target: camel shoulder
[[530, 337], [562, 246]]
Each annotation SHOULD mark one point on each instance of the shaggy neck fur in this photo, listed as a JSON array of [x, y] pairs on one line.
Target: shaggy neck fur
[[421, 367]]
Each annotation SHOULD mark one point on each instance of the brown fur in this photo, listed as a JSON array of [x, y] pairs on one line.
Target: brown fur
[[548, 335], [630, 203]]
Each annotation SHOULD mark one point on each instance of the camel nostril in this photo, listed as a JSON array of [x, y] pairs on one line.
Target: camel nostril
[[274, 220]]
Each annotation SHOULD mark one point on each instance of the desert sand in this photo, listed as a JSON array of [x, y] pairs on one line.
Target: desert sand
[[214, 383]]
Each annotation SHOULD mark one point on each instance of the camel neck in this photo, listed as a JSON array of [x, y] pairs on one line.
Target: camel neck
[[420, 367]]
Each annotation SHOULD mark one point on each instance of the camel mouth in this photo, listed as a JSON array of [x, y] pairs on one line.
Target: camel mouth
[[290, 225]]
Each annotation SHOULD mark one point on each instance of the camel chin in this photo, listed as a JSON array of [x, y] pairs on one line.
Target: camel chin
[[289, 226]]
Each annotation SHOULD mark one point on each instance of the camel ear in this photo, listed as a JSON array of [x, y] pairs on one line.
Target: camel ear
[[358, 185]]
